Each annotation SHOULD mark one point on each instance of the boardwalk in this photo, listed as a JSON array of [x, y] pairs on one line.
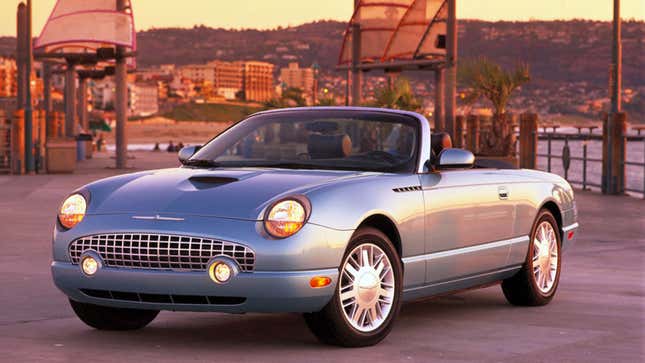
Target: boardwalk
[[598, 314]]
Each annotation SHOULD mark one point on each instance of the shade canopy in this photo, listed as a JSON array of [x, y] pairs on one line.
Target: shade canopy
[[77, 26], [396, 30]]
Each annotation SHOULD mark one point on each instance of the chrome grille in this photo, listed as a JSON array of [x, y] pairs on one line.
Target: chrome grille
[[160, 251]]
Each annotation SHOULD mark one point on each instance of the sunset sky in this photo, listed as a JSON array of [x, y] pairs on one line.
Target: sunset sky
[[269, 14]]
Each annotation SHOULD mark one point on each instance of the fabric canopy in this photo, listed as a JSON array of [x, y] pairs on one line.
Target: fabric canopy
[[397, 30], [82, 25]]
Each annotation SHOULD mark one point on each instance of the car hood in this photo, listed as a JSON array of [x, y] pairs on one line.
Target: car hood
[[227, 193]]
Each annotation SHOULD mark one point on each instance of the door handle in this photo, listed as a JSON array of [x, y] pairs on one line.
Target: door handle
[[503, 193]]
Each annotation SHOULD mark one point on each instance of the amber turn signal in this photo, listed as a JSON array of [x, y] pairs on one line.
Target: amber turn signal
[[319, 281]]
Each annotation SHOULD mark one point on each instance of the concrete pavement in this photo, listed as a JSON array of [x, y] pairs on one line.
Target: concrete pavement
[[598, 314]]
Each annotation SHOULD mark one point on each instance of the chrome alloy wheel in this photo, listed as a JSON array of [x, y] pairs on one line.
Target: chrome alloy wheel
[[545, 257], [366, 288]]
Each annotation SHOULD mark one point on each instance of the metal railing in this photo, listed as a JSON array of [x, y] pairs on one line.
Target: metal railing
[[566, 158]]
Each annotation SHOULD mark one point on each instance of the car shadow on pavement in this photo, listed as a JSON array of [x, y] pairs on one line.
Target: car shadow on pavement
[[228, 332]]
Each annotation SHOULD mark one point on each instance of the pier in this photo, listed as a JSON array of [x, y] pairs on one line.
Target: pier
[[596, 316]]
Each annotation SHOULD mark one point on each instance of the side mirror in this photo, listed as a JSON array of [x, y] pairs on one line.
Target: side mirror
[[455, 159], [187, 152]]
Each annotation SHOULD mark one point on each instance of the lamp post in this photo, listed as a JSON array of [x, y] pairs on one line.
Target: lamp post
[[616, 61], [121, 100], [316, 71], [451, 69]]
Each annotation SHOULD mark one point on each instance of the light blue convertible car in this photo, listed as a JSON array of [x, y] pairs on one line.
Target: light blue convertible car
[[338, 213]]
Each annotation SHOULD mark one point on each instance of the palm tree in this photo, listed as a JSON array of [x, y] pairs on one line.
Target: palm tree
[[398, 96], [489, 80]]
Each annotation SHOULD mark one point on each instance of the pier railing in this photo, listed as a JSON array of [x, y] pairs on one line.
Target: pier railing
[[581, 155]]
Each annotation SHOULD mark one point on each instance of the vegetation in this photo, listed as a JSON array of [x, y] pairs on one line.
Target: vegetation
[[291, 97], [210, 112], [327, 101], [398, 96], [484, 78], [489, 80]]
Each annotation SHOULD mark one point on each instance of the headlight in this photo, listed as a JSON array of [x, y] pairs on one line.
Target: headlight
[[72, 211], [285, 218]]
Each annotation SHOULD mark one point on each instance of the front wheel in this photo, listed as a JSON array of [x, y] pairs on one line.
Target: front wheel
[[535, 284], [367, 296], [107, 318]]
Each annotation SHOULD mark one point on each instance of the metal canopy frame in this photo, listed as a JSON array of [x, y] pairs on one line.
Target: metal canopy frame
[[419, 61]]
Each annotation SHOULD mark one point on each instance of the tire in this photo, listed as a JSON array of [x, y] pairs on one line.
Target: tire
[[335, 324], [525, 288], [107, 318]]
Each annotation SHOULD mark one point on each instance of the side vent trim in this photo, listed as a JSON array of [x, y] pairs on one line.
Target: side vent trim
[[414, 188]]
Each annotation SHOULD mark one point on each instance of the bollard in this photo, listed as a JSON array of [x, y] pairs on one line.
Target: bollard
[[528, 140], [613, 158], [458, 141], [18, 142], [584, 165], [472, 133]]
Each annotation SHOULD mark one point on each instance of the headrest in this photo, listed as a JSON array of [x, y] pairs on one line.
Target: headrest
[[440, 141], [329, 146], [324, 127]]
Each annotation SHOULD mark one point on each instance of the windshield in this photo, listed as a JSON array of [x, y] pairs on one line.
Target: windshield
[[317, 139]]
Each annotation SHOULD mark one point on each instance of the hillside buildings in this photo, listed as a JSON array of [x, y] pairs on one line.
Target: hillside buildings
[[144, 98], [248, 80], [258, 81], [296, 77]]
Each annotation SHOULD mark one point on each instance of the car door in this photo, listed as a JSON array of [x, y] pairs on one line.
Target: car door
[[469, 220]]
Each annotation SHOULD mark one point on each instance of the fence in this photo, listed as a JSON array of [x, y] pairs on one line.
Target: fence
[[581, 154]]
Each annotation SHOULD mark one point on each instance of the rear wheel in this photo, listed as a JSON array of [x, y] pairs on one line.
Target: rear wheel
[[107, 318], [367, 296], [536, 283]]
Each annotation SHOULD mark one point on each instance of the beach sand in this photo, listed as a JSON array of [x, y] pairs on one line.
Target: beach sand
[[162, 130]]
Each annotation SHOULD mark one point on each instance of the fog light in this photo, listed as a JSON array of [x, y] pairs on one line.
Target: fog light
[[319, 281], [220, 272], [89, 265]]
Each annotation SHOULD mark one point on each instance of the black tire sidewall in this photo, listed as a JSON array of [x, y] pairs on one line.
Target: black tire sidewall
[[347, 334], [545, 215]]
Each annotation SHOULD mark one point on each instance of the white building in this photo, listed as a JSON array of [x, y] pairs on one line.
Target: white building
[[144, 99]]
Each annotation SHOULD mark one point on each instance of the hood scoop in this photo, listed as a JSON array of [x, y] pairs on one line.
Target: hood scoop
[[210, 181]]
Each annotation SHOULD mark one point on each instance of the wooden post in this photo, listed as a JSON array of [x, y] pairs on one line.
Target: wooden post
[[439, 100], [460, 126], [121, 100], [614, 146], [18, 142], [472, 133], [528, 140]]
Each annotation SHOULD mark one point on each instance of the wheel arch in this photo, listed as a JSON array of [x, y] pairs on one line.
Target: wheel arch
[[387, 226], [552, 207]]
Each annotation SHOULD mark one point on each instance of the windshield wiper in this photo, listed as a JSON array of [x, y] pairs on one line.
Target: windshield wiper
[[202, 163]]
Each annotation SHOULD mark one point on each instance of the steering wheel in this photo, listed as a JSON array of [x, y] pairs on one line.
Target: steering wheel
[[382, 155]]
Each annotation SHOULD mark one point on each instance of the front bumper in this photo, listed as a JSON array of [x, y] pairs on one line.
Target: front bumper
[[279, 281], [278, 291]]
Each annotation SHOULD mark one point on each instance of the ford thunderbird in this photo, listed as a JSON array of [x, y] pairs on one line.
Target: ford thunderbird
[[340, 214]]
